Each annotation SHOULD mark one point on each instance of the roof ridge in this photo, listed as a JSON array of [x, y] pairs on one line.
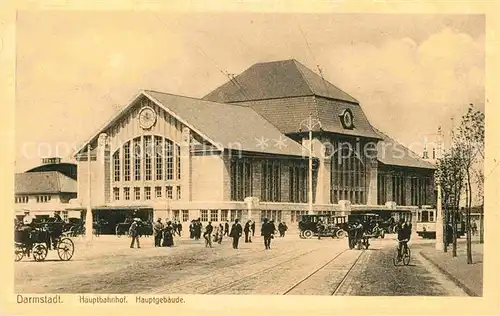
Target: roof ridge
[[310, 89], [188, 97]]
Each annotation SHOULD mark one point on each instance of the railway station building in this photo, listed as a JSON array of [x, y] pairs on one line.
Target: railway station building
[[46, 188], [242, 152]]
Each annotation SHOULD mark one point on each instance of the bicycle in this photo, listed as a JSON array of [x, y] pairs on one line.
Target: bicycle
[[405, 256]]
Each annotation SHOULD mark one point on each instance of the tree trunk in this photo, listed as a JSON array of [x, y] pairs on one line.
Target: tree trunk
[[469, 205], [445, 228], [481, 225], [454, 225]]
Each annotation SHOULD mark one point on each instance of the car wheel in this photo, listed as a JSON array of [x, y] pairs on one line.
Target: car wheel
[[308, 234]]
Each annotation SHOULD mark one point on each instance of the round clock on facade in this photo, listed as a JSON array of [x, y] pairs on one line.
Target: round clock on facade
[[347, 119], [147, 117]]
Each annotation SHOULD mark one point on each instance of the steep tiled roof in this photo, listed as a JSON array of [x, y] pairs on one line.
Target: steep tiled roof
[[231, 126], [44, 183], [390, 152], [278, 79]]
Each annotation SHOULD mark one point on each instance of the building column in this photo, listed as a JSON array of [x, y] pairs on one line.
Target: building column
[[186, 165], [322, 178], [371, 178]]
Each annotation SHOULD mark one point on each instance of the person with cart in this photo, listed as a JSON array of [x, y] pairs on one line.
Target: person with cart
[[134, 233]]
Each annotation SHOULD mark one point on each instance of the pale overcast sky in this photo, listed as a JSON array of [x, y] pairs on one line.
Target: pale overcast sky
[[75, 70]]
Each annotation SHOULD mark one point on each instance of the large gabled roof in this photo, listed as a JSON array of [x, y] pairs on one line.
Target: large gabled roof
[[391, 152], [48, 182], [229, 126], [274, 80], [223, 125]]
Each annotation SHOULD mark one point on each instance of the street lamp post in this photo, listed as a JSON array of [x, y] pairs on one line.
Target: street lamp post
[[310, 124], [439, 206], [88, 215]]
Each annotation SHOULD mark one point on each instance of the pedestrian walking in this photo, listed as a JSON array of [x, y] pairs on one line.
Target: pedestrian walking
[[319, 227], [168, 235], [235, 233], [197, 229], [133, 232], [158, 232], [253, 228], [191, 229], [267, 231], [226, 228], [474, 228], [246, 230], [208, 235], [220, 233], [179, 228]]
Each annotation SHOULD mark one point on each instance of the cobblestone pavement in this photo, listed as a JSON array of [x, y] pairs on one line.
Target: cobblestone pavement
[[293, 267]]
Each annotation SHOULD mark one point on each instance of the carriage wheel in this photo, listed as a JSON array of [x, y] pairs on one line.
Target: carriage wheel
[[301, 235], [341, 233], [65, 249], [39, 252], [308, 234], [18, 252], [395, 258]]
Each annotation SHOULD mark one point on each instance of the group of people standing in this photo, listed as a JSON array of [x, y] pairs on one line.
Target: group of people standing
[[164, 234]]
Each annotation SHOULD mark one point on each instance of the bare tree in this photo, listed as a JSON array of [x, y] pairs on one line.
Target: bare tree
[[470, 140]]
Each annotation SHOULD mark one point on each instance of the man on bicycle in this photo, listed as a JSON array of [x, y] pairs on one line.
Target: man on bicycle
[[403, 230]]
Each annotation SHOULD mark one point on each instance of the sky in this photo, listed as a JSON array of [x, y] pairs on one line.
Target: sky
[[76, 70]]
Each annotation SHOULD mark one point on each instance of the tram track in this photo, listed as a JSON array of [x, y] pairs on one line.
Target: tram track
[[346, 276], [241, 281], [224, 270]]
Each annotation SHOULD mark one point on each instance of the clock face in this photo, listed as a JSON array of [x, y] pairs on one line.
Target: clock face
[[347, 119], [147, 117]]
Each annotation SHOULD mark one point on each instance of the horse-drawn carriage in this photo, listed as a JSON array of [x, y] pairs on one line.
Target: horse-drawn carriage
[[38, 238], [329, 226]]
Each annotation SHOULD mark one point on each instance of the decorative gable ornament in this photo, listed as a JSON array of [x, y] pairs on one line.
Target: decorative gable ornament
[[347, 119], [147, 117]]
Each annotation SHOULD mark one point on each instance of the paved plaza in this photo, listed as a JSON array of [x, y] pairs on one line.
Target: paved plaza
[[293, 266]]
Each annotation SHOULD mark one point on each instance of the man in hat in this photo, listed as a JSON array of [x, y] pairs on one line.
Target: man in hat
[[267, 231], [27, 219], [157, 232], [133, 232], [236, 231]]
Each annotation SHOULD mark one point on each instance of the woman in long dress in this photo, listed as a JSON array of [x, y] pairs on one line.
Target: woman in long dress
[[168, 239]]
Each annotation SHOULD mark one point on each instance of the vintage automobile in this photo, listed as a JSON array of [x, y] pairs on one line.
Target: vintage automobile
[[332, 226]]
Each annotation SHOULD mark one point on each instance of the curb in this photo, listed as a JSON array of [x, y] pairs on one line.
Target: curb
[[457, 282]]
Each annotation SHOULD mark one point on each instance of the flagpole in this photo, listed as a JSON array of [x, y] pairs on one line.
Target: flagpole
[[88, 215]]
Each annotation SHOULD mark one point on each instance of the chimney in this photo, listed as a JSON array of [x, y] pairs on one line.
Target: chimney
[[425, 154]]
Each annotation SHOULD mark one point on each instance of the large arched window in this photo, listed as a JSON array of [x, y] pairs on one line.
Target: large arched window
[[148, 158], [348, 176]]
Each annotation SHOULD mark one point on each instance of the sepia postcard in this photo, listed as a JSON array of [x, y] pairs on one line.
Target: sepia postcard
[[247, 157]]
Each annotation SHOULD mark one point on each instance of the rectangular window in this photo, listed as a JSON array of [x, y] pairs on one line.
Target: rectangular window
[[204, 215], [232, 216], [116, 194], [214, 215], [158, 192], [147, 157], [116, 165], [169, 194], [425, 216], [159, 157], [185, 215], [224, 215], [65, 216], [178, 161], [176, 214], [170, 161], [271, 181], [147, 193], [431, 216], [137, 158], [179, 193], [137, 193], [241, 179], [126, 161], [126, 193]]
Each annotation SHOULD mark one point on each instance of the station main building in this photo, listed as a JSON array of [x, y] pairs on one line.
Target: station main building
[[183, 158]]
